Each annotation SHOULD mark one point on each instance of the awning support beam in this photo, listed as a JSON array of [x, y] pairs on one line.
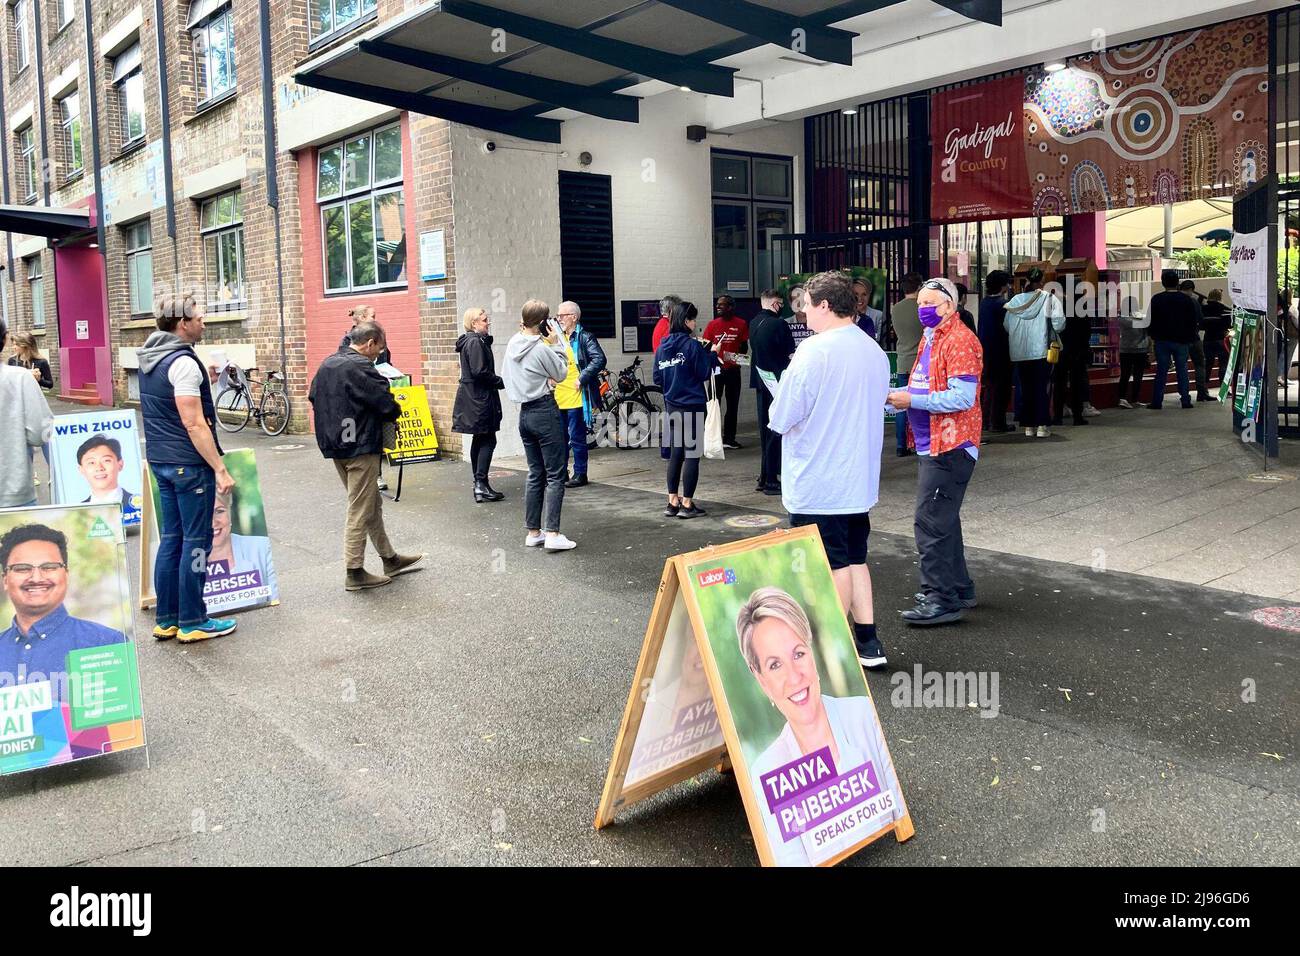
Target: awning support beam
[[555, 92], [699, 75], [985, 11], [497, 121], [774, 26]]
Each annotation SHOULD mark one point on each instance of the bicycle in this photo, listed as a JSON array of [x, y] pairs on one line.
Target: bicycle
[[235, 401], [634, 405]]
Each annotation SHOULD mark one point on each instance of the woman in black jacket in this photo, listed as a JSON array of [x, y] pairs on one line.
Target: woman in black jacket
[[477, 410], [682, 368], [28, 355]]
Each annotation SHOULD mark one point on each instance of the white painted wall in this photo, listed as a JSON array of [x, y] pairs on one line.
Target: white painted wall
[[507, 223]]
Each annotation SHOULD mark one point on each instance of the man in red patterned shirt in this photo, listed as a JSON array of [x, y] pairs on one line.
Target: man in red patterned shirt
[[943, 423]]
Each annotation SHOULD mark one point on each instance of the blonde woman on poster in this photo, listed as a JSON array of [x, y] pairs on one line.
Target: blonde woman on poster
[[812, 809], [233, 557]]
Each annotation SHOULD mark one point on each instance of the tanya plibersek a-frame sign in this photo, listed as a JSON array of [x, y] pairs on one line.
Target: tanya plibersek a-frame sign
[[748, 659]]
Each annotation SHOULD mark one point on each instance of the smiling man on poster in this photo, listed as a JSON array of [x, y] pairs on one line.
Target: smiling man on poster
[[100, 461]]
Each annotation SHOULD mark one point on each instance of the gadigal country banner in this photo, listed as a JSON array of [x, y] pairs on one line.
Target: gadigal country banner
[[69, 683], [814, 757], [1167, 120]]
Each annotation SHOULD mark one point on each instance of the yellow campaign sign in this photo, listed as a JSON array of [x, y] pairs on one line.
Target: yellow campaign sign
[[416, 440]]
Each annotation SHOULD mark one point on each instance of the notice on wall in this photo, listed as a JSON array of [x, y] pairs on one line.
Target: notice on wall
[[416, 439], [749, 656], [433, 255]]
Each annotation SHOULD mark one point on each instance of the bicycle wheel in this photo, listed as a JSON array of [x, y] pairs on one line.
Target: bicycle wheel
[[654, 395], [233, 409], [275, 412], [636, 423]]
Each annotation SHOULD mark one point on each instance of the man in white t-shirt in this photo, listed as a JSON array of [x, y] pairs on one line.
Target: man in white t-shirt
[[830, 412], [185, 459]]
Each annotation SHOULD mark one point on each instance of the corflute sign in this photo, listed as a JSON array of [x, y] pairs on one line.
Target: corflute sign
[[1248, 271]]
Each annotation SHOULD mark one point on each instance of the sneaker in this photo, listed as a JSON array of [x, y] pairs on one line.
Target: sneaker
[[533, 540], [381, 484], [694, 511], [929, 614], [402, 564], [921, 597], [1029, 433], [1044, 431], [1125, 403], [670, 511], [558, 542], [871, 655], [359, 579], [165, 630], [1089, 411], [732, 444], [209, 629]]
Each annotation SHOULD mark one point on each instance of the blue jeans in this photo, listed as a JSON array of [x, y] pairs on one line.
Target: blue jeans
[[1165, 351], [576, 423], [188, 494]]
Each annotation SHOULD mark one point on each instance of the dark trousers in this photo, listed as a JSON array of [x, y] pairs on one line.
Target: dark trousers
[[685, 435], [941, 487], [1070, 377], [1132, 365], [769, 441], [546, 446], [1215, 352], [995, 395], [575, 423], [187, 494], [729, 394], [1197, 352], [1176, 353], [481, 448], [1034, 378]]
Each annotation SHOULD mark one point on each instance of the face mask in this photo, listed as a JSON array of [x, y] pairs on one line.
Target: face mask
[[929, 315]]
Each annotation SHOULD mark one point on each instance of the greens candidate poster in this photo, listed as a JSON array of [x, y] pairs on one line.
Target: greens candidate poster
[[95, 459], [69, 684], [241, 572], [813, 765]]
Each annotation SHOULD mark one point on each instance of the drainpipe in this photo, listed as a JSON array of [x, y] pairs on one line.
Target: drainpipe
[[272, 179], [165, 96]]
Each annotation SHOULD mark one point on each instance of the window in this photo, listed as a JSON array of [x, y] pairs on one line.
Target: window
[[128, 82], [221, 225], [36, 287], [334, 16], [212, 26], [363, 211], [587, 249], [70, 120], [27, 162], [139, 266], [22, 42], [67, 10], [752, 203]]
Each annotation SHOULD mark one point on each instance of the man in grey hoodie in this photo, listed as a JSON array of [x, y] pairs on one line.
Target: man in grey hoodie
[[536, 359]]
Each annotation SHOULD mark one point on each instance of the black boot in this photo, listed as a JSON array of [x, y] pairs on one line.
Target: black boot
[[492, 493], [481, 492]]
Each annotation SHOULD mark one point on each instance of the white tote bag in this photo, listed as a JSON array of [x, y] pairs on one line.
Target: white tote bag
[[713, 425]]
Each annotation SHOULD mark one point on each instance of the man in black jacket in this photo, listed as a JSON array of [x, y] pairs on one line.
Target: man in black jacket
[[770, 346], [352, 401], [1173, 328]]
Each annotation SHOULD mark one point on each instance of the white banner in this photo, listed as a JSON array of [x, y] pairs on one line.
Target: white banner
[[1248, 271]]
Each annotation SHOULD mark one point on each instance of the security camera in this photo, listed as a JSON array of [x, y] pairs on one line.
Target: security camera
[[489, 146]]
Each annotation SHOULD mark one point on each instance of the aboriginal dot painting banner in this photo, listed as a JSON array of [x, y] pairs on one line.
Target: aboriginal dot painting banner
[[1167, 120]]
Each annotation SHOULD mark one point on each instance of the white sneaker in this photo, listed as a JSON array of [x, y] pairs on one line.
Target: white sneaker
[[533, 540], [1089, 411], [1044, 431], [558, 542], [1125, 403], [1029, 433]]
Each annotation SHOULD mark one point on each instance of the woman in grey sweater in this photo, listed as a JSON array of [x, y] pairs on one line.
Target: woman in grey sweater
[[536, 359]]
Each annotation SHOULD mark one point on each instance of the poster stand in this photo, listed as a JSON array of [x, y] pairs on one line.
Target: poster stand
[[675, 591]]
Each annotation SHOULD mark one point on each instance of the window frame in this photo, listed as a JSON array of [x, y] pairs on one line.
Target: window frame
[[367, 11], [754, 201], [22, 35], [121, 88], [68, 7], [215, 233], [131, 230], [200, 35], [68, 119], [346, 196], [27, 160], [36, 273]]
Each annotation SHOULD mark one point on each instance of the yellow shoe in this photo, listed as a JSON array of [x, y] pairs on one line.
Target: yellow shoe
[[164, 632]]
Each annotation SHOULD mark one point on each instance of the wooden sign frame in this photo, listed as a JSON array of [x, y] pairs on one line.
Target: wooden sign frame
[[674, 584]]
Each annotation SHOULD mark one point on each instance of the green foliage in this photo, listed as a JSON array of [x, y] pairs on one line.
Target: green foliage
[[798, 568], [1212, 262], [249, 516]]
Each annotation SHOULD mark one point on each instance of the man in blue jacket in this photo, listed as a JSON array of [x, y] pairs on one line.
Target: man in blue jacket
[[588, 362], [185, 459]]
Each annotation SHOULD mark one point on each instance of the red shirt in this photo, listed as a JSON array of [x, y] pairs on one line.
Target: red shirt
[[733, 333], [659, 334]]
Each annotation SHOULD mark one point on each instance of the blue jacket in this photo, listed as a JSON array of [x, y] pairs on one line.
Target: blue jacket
[[590, 359], [682, 366], [166, 437]]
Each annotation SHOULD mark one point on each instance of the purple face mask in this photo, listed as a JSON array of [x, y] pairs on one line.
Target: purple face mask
[[929, 316]]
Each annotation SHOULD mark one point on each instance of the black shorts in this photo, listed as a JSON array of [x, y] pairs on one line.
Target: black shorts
[[843, 536]]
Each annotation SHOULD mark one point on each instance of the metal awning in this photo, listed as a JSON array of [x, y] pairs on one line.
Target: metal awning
[[501, 65], [47, 221]]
